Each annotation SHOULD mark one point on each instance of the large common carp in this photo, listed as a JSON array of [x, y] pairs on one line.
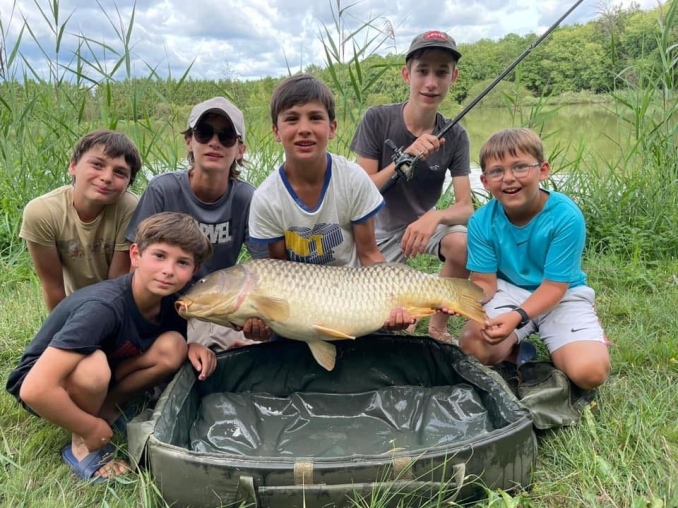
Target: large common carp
[[318, 303]]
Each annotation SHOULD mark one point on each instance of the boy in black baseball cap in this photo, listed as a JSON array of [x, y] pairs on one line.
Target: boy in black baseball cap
[[433, 39], [410, 224]]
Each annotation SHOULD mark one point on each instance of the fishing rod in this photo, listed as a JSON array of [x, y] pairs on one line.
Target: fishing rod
[[406, 163]]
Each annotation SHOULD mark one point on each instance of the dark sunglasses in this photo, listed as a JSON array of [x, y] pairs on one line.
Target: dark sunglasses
[[204, 132]]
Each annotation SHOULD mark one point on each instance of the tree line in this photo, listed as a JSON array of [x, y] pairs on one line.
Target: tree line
[[597, 57]]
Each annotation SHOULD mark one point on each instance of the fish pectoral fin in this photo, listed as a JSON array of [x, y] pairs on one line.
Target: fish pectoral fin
[[324, 353], [271, 308], [420, 312], [323, 330]]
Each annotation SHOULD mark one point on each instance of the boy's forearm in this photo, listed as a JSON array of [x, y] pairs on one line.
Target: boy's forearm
[[120, 264], [544, 298], [55, 405], [487, 282], [53, 295], [456, 214], [370, 257], [381, 178]]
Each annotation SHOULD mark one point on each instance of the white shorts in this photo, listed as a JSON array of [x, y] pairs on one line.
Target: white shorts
[[573, 319], [216, 337], [393, 252]]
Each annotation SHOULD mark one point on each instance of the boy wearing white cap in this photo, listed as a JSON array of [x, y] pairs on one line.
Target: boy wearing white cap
[[410, 224], [211, 192]]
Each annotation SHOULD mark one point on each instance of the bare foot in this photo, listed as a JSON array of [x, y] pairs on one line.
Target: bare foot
[[115, 467], [443, 336], [437, 325]]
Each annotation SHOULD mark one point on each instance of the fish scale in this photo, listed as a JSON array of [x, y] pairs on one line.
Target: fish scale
[[319, 303]]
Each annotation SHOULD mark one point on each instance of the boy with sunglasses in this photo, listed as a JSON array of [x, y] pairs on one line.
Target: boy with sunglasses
[[525, 249], [212, 193]]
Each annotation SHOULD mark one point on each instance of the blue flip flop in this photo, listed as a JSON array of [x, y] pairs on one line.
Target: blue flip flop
[[526, 353], [89, 465]]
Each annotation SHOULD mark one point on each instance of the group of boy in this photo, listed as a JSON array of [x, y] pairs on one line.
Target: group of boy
[[119, 334]]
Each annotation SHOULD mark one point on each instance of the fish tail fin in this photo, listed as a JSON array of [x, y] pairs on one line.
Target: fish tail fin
[[324, 353], [464, 298]]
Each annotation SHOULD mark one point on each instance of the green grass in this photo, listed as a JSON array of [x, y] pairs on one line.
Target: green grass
[[624, 453]]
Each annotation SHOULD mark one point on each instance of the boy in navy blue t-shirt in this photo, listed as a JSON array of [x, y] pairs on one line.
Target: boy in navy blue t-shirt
[[111, 341]]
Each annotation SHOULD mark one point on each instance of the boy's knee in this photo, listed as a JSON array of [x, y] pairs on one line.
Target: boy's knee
[[453, 247], [586, 363], [589, 374], [93, 373], [170, 351], [471, 344]]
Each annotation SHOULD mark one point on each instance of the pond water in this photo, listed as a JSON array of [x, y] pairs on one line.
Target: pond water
[[592, 127], [589, 129]]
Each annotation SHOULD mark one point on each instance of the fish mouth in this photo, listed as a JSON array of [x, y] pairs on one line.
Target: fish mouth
[[181, 306]]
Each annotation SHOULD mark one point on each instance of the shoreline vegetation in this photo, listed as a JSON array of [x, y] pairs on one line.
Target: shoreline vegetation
[[624, 452]]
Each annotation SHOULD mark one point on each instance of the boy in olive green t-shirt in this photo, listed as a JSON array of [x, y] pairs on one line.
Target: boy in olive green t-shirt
[[75, 234]]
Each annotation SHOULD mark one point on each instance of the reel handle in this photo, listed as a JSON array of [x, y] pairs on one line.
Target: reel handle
[[404, 165]]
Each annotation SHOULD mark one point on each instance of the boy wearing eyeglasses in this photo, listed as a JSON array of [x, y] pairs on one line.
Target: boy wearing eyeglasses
[[75, 234], [525, 249], [210, 191], [410, 224]]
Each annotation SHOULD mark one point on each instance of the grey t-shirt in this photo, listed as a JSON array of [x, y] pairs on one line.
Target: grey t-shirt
[[409, 200], [225, 221]]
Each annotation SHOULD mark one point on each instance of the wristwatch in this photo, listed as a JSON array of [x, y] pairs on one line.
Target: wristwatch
[[523, 315]]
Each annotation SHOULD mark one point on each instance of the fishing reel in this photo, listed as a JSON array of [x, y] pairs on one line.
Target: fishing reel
[[405, 165], [404, 162]]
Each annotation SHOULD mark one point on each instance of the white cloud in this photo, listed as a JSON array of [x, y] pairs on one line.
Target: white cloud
[[256, 38]]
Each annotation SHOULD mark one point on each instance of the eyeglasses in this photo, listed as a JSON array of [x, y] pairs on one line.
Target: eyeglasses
[[204, 132], [519, 171]]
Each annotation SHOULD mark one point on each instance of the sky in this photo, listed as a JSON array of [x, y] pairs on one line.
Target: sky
[[251, 39]]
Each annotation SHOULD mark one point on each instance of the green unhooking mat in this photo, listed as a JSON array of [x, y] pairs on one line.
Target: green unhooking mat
[[398, 418]]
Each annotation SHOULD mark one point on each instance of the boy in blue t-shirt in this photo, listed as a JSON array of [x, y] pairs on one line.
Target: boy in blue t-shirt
[[525, 249]]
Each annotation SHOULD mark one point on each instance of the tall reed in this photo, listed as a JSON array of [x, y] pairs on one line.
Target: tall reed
[[631, 202]]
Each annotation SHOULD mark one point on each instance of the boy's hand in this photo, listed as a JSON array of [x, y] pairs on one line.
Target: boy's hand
[[399, 319], [449, 312], [417, 235], [203, 360], [424, 146], [499, 328], [98, 436], [256, 329]]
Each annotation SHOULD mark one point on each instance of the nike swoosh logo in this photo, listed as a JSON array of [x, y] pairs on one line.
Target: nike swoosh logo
[[575, 330], [520, 243]]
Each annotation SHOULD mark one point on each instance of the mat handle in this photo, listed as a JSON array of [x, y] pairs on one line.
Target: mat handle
[[288, 495]]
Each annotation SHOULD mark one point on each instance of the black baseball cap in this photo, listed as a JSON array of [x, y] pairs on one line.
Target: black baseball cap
[[433, 39]]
